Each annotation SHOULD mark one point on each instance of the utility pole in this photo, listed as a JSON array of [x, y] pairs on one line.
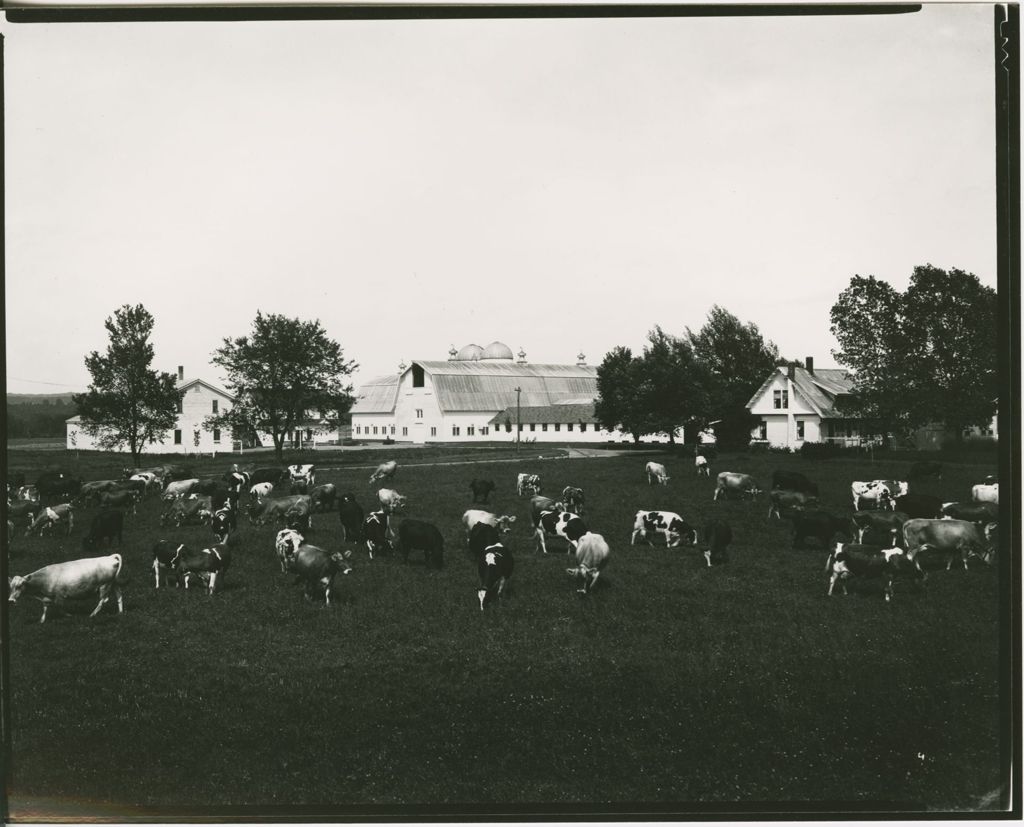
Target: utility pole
[[519, 427]]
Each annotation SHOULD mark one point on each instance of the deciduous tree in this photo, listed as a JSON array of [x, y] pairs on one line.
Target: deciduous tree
[[619, 405]]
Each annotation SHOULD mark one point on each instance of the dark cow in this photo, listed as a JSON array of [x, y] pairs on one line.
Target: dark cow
[[198, 511], [23, 513], [119, 499], [375, 530], [57, 485], [299, 516], [782, 500], [318, 569], [164, 552], [666, 523], [562, 524], [271, 475], [494, 562], [89, 492], [298, 487], [852, 560], [422, 536], [716, 537], [323, 497], [919, 505], [981, 513], [481, 489], [207, 564], [821, 525], [956, 538], [351, 514], [873, 524], [211, 488], [793, 481], [573, 499], [925, 468], [731, 483], [76, 578], [106, 525]]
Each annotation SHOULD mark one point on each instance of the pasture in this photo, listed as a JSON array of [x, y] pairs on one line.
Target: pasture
[[672, 686]]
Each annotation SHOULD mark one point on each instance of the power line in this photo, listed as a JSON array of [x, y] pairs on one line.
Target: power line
[[38, 382]]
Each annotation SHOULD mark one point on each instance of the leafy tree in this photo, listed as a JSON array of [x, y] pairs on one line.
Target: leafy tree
[[925, 355], [283, 369], [619, 405], [737, 360], [674, 385], [127, 403]]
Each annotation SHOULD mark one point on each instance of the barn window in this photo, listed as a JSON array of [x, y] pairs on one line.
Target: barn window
[[508, 427], [375, 429], [216, 432], [533, 427], [177, 437], [405, 431], [470, 430], [583, 427], [544, 427], [215, 406], [433, 431], [392, 430], [781, 399], [558, 426], [568, 427], [799, 429], [417, 376], [455, 430], [419, 413]]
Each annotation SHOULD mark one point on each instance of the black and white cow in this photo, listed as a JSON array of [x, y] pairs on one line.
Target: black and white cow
[[417, 535], [667, 524], [208, 564], [481, 489], [375, 532], [862, 561], [49, 518], [164, 552], [238, 481], [734, 484], [286, 544], [302, 473], [224, 521], [562, 524], [261, 490], [986, 493], [880, 492], [494, 563], [106, 525], [874, 524], [702, 465], [474, 516], [76, 578], [591, 557]]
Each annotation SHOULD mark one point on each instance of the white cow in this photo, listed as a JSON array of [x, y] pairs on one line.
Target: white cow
[[76, 578], [261, 490], [656, 473], [591, 557], [476, 515], [880, 492], [986, 493], [385, 471], [178, 488], [390, 500], [701, 464]]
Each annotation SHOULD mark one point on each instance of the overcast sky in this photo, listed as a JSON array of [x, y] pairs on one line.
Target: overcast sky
[[559, 185]]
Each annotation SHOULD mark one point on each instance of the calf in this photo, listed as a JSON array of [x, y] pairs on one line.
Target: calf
[[957, 538], [76, 578], [351, 514], [656, 473], [426, 537], [986, 493], [481, 489], [375, 531], [318, 569], [780, 501], [106, 525], [591, 558], [49, 517], [494, 562], [528, 484], [286, 545], [716, 536], [852, 560], [793, 481], [668, 524], [732, 483], [385, 471], [821, 525], [474, 516], [164, 552], [889, 523], [700, 462], [982, 513], [562, 524], [919, 505], [323, 497], [573, 499], [207, 563]]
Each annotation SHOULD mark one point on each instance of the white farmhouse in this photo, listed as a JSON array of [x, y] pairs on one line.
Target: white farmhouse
[[798, 405], [476, 396], [198, 400]]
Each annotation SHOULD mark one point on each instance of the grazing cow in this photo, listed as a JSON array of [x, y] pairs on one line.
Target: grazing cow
[[319, 568], [205, 564], [986, 493], [573, 499], [528, 484], [481, 489], [164, 552], [179, 488], [49, 517], [261, 490], [925, 468], [106, 525], [879, 492], [474, 516], [700, 462], [323, 497], [302, 473], [716, 536], [919, 505], [821, 525], [76, 578], [287, 545], [494, 562], [57, 485], [390, 500], [385, 471], [23, 513], [299, 516], [982, 513], [90, 491], [375, 530], [119, 499], [224, 521], [732, 483], [957, 538], [237, 481], [853, 560], [779, 500], [665, 523], [351, 514], [426, 537], [793, 481], [887, 523], [197, 511], [656, 473], [263, 511], [271, 475], [562, 524], [591, 558]]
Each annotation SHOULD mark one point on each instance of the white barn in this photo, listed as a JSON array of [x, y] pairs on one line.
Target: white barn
[[199, 399], [472, 397]]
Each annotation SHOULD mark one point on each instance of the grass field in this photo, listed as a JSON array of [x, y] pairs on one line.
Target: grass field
[[672, 686]]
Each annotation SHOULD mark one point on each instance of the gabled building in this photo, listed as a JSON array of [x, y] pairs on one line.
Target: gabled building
[[798, 405], [198, 400]]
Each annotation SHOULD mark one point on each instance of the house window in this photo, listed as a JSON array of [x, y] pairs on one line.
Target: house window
[[583, 427], [375, 429], [215, 406], [484, 431], [181, 404], [781, 398], [433, 431], [455, 430], [533, 427], [762, 431], [470, 430], [799, 429], [544, 426], [216, 432], [177, 437], [417, 376], [405, 431], [392, 430], [309, 434], [419, 413]]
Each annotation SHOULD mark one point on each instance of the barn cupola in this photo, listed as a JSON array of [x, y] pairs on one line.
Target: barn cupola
[[453, 354], [401, 367], [469, 353], [497, 351], [522, 357], [581, 359]]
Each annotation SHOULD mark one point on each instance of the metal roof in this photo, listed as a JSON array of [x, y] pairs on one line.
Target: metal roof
[[377, 395], [560, 413], [490, 386]]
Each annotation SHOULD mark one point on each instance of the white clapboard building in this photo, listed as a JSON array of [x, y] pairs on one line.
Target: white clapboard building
[[198, 400], [477, 394]]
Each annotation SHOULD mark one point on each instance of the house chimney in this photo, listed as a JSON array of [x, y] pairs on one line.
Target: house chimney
[[581, 360], [522, 357], [791, 372], [181, 372], [809, 363]]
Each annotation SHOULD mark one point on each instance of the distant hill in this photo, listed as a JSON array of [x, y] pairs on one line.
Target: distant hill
[[38, 398], [38, 414]]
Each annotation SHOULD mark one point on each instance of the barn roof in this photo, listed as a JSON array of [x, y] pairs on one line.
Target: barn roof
[[490, 385], [377, 395], [560, 413], [820, 389]]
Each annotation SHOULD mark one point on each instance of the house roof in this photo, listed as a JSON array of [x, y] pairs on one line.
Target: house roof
[[820, 388], [560, 413], [185, 384], [377, 395]]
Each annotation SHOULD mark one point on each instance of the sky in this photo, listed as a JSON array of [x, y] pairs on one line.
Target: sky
[[558, 185]]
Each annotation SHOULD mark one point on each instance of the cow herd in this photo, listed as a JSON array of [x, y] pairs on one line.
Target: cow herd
[[883, 538]]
